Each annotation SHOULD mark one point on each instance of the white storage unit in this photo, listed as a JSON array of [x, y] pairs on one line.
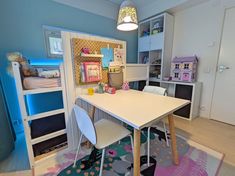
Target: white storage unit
[[155, 40], [188, 91], [34, 140]]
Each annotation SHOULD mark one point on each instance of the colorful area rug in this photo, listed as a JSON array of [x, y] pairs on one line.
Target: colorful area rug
[[195, 160]]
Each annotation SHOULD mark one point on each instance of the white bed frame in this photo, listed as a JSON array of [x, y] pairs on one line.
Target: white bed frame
[[21, 93]]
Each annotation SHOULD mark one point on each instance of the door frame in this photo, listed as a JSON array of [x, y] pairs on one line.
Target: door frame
[[225, 6]]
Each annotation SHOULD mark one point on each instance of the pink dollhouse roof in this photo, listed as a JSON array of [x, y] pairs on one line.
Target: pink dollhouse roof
[[185, 59]]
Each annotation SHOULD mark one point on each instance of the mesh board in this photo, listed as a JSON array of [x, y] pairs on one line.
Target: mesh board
[[78, 44]]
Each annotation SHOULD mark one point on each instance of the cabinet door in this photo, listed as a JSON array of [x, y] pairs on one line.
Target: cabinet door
[[156, 41], [144, 44]]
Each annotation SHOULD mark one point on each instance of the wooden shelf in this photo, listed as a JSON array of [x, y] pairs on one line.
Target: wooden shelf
[[41, 158], [155, 64], [48, 136], [178, 82], [92, 55], [42, 90], [152, 79], [45, 114]]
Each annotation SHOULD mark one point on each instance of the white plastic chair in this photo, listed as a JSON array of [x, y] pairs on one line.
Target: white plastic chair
[[159, 91], [102, 134]]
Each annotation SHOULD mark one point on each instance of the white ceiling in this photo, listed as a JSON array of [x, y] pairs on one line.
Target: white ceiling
[[146, 8], [138, 3]]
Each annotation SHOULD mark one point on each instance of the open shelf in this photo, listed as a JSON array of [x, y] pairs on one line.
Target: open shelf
[[153, 79], [144, 29], [42, 90], [45, 114], [92, 55], [157, 25], [48, 136], [144, 57], [45, 156]]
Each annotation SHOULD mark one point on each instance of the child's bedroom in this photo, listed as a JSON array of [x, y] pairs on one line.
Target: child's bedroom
[[117, 88]]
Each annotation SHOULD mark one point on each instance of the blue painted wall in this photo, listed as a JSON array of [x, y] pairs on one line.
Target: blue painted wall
[[21, 30]]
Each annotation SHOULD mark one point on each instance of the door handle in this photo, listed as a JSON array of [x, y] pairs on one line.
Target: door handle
[[222, 68]]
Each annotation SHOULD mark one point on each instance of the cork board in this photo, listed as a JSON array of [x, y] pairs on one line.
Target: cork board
[[78, 44]]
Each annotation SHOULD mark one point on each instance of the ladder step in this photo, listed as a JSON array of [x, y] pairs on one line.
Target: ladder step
[[48, 136], [45, 114], [42, 90]]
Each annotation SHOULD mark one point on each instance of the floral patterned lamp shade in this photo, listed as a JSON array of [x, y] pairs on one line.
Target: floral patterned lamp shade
[[127, 17]]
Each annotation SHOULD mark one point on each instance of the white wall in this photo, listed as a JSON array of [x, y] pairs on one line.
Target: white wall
[[197, 31]]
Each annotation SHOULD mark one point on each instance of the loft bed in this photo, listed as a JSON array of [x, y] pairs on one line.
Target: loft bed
[[45, 132]]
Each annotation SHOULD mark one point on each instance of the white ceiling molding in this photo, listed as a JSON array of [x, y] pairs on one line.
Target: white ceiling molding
[[159, 6], [100, 7]]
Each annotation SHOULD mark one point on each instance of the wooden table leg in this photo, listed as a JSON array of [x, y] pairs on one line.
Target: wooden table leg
[[136, 152], [173, 139], [92, 116]]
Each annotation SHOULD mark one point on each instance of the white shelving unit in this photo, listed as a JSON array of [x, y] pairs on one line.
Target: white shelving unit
[[184, 90], [155, 40], [30, 142]]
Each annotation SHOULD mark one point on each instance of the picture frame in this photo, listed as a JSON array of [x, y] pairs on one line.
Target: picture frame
[[53, 43]]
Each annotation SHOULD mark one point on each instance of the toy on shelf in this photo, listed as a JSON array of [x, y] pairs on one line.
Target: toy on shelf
[[145, 32], [110, 90], [90, 91], [157, 26], [157, 61], [125, 86], [184, 69], [85, 51], [145, 60], [101, 88], [26, 68]]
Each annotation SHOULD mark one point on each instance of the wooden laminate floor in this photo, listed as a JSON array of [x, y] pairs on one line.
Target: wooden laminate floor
[[18, 159], [215, 135]]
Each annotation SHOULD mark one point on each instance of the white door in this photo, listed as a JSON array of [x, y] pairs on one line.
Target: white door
[[223, 104]]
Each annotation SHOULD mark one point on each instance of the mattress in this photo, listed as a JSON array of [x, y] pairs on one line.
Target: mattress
[[37, 82]]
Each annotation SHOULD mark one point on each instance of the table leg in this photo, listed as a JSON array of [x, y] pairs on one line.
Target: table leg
[[173, 139], [136, 152], [92, 116]]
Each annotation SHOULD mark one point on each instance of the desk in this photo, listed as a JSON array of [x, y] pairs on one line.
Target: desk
[[138, 109]]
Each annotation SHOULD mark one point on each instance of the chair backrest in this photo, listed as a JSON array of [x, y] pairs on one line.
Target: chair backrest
[[155, 90], [85, 124]]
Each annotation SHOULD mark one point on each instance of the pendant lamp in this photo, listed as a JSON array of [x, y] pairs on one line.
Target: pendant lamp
[[127, 17]]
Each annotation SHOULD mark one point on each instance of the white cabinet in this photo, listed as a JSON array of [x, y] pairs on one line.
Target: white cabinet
[[157, 42], [144, 44]]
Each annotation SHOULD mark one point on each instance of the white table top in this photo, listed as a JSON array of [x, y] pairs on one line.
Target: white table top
[[135, 108]]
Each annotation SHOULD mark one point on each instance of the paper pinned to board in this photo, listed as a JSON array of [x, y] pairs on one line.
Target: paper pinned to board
[[119, 55], [108, 56]]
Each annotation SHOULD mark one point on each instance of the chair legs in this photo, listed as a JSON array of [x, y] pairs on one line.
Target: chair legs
[[132, 145], [165, 131], [102, 162], [79, 144], [148, 141], [148, 146]]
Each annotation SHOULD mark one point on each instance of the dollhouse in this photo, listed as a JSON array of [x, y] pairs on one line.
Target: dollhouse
[[184, 69]]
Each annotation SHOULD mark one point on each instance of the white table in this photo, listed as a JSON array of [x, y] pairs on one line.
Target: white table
[[138, 109]]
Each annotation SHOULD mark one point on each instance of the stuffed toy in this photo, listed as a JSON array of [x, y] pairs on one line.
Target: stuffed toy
[[24, 64]]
